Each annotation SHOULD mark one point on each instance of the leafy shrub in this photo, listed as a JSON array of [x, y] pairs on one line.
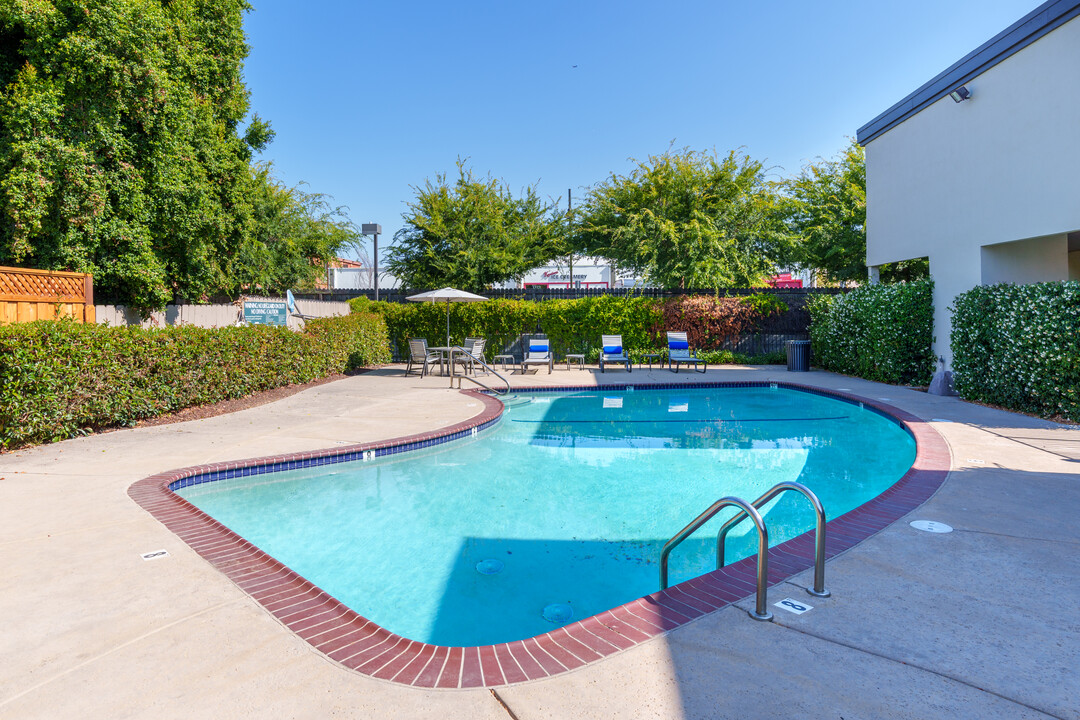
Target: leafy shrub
[[1018, 346], [61, 379], [764, 304], [878, 332], [711, 321], [727, 357], [576, 326]]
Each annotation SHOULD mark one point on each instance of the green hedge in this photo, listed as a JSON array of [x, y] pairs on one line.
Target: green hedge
[[575, 326], [878, 332], [61, 379], [1018, 346]]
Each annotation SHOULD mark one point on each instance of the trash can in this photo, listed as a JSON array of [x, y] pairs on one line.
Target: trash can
[[798, 355]]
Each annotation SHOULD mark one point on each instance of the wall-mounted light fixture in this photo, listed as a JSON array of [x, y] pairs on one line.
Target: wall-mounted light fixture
[[960, 94]]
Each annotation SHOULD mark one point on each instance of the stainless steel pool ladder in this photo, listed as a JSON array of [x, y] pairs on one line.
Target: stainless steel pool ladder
[[456, 350], [750, 510]]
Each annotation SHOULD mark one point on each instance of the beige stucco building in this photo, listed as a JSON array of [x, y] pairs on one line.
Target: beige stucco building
[[986, 186]]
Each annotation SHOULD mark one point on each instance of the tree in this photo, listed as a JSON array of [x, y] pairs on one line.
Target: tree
[[294, 236], [687, 219], [473, 234], [826, 206], [120, 151], [826, 214]]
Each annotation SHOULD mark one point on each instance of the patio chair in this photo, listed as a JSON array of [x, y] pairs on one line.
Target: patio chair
[[475, 348], [679, 352], [538, 352], [611, 351], [421, 356]]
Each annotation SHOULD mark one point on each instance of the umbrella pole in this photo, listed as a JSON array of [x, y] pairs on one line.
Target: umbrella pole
[[448, 322]]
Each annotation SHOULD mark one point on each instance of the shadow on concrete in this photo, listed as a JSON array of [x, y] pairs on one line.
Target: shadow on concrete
[[968, 623]]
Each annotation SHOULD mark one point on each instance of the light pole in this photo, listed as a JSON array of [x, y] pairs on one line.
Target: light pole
[[374, 230], [569, 225]]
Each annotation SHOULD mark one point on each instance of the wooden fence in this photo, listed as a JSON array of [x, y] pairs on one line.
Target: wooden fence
[[27, 295]]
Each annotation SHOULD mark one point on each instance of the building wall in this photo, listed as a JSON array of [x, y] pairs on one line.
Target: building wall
[[1026, 261], [961, 183]]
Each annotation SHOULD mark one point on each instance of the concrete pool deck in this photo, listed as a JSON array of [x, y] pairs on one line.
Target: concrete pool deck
[[980, 622]]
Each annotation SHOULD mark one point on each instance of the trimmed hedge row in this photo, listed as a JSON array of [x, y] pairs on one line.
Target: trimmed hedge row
[[1018, 346], [877, 332], [577, 325], [61, 379]]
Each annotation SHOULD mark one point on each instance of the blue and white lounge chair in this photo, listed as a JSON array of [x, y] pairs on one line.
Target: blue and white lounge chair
[[679, 352], [538, 352], [611, 351]]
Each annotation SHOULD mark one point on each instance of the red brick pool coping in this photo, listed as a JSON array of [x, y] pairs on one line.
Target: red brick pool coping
[[359, 644]]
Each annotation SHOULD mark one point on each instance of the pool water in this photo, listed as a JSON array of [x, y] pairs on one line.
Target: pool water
[[561, 509]]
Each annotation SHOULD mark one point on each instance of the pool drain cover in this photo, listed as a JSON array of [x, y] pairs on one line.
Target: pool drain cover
[[489, 567], [558, 612], [931, 526]]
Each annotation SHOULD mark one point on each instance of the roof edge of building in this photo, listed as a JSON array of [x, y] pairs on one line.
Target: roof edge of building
[[1037, 23]]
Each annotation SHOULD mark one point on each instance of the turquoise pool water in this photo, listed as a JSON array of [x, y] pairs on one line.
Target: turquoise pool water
[[562, 508]]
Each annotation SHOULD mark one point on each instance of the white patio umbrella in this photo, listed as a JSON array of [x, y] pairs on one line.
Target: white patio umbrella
[[448, 295]]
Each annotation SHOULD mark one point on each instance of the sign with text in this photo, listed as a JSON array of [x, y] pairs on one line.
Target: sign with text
[[262, 312]]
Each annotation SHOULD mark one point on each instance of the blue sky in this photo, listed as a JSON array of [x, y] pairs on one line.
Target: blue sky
[[368, 99]]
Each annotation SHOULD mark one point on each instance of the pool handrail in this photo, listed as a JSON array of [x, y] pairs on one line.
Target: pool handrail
[[462, 351], [819, 533], [761, 611]]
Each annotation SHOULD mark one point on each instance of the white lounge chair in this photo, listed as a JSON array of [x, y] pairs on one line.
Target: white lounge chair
[[612, 351], [538, 352], [679, 352]]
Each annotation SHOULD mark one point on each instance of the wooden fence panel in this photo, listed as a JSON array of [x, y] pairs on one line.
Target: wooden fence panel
[[27, 295]]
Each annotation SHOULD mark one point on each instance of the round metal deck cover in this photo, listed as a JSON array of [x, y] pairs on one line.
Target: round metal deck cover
[[931, 526]]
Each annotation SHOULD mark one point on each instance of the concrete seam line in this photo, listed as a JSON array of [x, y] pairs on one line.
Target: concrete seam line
[[1019, 441], [503, 703], [110, 651], [1017, 537], [918, 667]]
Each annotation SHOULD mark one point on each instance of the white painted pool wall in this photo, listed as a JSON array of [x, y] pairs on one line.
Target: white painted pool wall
[[987, 188], [209, 316]]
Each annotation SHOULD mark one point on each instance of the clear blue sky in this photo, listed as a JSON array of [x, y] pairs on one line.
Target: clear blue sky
[[371, 98]]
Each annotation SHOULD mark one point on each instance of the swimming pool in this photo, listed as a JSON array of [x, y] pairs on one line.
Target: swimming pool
[[561, 507]]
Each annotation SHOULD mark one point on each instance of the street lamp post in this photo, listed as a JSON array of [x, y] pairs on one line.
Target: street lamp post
[[374, 230]]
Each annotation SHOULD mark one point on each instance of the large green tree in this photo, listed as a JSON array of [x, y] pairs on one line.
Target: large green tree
[[292, 235], [826, 213], [473, 234], [120, 146], [685, 219]]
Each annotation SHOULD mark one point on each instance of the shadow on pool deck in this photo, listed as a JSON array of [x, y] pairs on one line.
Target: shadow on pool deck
[[973, 623]]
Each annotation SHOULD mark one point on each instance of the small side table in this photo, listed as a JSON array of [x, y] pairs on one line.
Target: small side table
[[575, 357], [502, 359], [650, 357]]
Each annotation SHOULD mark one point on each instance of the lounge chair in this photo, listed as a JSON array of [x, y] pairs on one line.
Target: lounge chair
[[679, 352], [612, 351], [538, 352], [475, 348], [421, 356]]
